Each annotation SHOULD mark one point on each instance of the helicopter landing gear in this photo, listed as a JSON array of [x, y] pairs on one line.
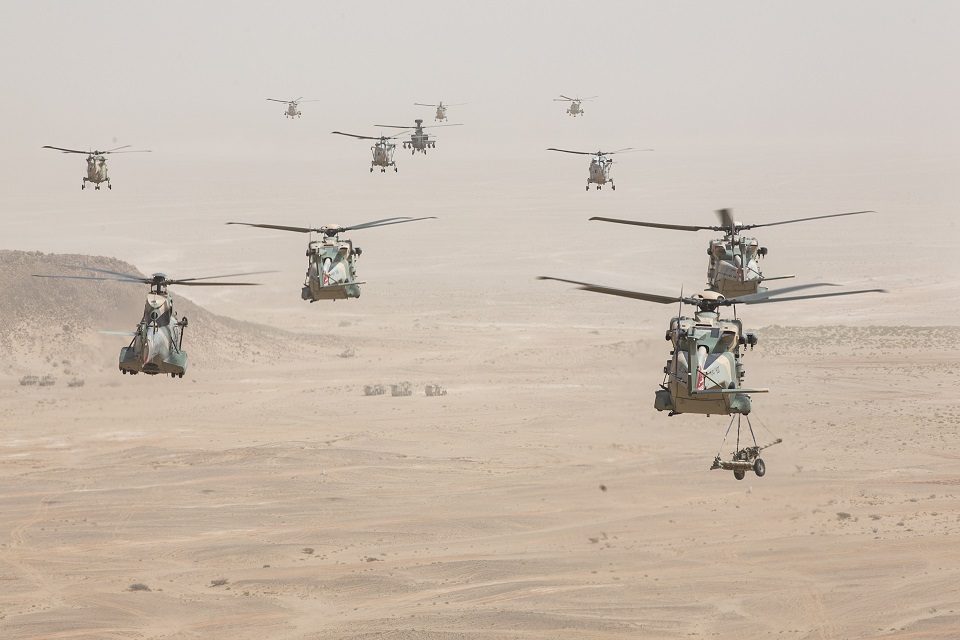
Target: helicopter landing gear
[[83, 186], [588, 187], [598, 187], [371, 169], [613, 186], [109, 186], [394, 169], [96, 188], [746, 458]]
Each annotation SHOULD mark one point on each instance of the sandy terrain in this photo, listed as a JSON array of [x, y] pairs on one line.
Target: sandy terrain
[[542, 498]]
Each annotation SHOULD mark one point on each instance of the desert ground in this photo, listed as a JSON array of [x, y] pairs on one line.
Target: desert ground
[[265, 496]]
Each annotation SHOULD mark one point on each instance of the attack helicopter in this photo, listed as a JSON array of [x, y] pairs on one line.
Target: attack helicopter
[[332, 262], [157, 342], [705, 372], [734, 268], [441, 109], [574, 108], [382, 150], [419, 141], [600, 165], [97, 164], [292, 111]]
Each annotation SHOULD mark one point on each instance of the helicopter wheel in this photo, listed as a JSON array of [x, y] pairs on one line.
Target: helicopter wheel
[[394, 169], [109, 186], [598, 187], [739, 474], [613, 186], [82, 187], [588, 187], [371, 169], [759, 468], [96, 188]]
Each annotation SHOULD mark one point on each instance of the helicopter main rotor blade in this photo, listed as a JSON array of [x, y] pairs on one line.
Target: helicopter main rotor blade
[[563, 97], [126, 146], [192, 281], [215, 284], [353, 135], [623, 293], [283, 101], [64, 150], [833, 215], [131, 151], [138, 281], [579, 153], [385, 222], [278, 227], [392, 126], [420, 104], [128, 276], [749, 300], [655, 225]]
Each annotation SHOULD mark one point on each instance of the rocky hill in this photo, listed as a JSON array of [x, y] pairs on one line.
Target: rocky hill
[[51, 326]]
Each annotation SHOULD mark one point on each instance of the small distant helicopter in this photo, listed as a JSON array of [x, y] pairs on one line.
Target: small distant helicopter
[[441, 109], [419, 141], [600, 165], [157, 344], [574, 108], [734, 268], [292, 111], [704, 374], [97, 164], [332, 262], [382, 150]]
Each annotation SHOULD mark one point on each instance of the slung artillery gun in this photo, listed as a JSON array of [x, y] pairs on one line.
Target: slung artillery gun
[[419, 141], [705, 373], [574, 108], [734, 263], [441, 114], [600, 165], [97, 164], [332, 261], [157, 342], [382, 150], [292, 111]]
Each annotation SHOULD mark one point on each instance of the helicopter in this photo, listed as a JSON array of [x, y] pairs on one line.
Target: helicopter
[[157, 342], [600, 165], [292, 110], [332, 262], [734, 268], [97, 164], [419, 141], [705, 372], [574, 108], [382, 150], [441, 109]]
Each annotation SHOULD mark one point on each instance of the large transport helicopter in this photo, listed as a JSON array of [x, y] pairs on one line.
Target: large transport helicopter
[[705, 372], [332, 262], [382, 150], [600, 165], [734, 263], [157, 342], [419, 141], [97, 164], [441, 114], [574, 108], [292, 110]]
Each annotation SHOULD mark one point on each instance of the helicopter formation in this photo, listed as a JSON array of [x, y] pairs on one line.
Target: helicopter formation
[[704, 373]]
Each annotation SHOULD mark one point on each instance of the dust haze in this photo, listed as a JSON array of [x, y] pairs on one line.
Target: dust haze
[[265, 496]]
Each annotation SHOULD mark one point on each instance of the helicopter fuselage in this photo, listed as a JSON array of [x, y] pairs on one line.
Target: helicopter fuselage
[[734, 266], [600, 172], [331, 270], [292, 111], [705, 370], [155, 348], [441, 113], [96, 171], [574, 108], [383, 155]]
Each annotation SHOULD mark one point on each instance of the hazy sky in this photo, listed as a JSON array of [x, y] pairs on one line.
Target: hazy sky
[[774, 108]]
